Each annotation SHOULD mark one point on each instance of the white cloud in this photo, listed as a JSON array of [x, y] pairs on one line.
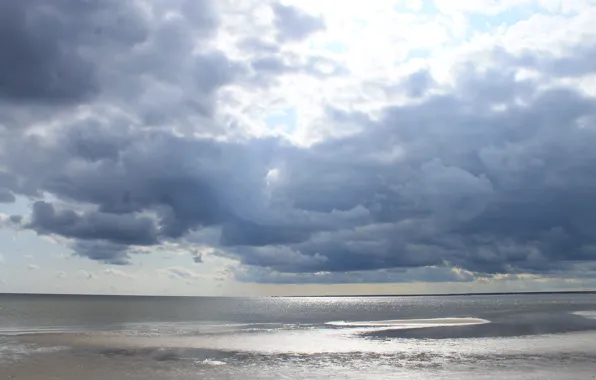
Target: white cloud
[[118, 273], [181, 273], [83, 274]]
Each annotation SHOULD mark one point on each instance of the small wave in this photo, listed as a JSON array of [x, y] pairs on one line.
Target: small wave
[[11, 351], [411, 323], [586, 314], [151, 329], [34, 331], [212, 362]]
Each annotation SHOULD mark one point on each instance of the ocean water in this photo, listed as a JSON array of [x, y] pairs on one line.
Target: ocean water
[[546, 336]]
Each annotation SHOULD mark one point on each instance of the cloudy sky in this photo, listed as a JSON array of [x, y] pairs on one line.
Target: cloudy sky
[[299, 147]]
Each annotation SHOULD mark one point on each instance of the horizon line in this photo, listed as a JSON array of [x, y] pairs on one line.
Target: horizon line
[[307, 296]]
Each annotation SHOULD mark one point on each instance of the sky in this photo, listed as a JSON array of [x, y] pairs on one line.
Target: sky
[[197, 147]]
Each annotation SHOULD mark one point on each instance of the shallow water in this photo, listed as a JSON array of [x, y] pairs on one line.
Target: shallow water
[[467, 337]]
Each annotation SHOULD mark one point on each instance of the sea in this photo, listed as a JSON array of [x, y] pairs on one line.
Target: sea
[[523, 336]]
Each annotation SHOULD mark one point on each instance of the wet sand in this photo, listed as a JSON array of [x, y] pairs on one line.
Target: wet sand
[[103, 367]]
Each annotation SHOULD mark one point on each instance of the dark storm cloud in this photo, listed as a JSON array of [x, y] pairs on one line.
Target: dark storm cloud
[[365, 248], [241, 232], [140, 59], [278, 226], [187, 183], [425, 274], [450, 181], [123, 229], [487, 190], [293, 24], [102, 251], [142, 75], [445, 182], [42, 46]]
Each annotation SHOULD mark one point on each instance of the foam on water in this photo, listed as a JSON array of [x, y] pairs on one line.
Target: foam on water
[[586, 314], [12, 351], [411, 323], [154, 329], [212, 362]]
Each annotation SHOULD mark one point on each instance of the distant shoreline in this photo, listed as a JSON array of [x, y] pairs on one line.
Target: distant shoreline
[[306, 296]]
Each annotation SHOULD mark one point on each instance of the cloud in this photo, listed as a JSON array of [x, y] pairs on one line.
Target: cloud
[[15, 219], [485, 190], [425, 274], [418, 83], [181, 273], [33, 66], [131, 134], [32, 267], [270, 67], [124, 229], [97, 53], [293, 24], [6, 196], [197, 257], [118, 273], [86, 275], [103, 251], [182, 197]]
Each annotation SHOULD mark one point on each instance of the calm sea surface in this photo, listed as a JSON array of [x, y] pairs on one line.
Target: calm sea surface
[[455, 337]]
